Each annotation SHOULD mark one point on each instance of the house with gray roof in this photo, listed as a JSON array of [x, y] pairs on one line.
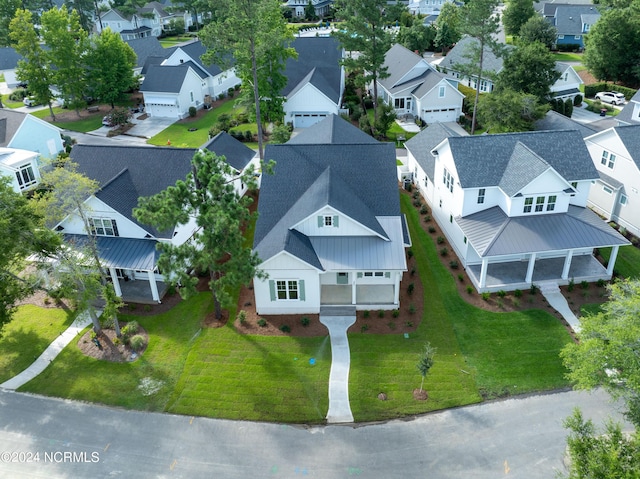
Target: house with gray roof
[[572, 21], [630, 114], [238, 155], [297, 7], [315, 81], [8, 64], [554, 121], [427, 7], [323, 238], [146, 48], [415, 88], [514, 208], [616, 155], [181, 80]]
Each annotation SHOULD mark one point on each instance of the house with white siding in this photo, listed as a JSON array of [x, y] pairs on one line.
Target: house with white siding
[[324, 239]]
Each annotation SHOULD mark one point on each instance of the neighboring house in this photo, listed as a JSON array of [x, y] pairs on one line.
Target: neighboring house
[[415, 88], [145, 22], [427, 7], [567, 86], [315, 81], [8, 64], [616, 155], [145, 48], [514, 208], [572, 21], [554, 121], [630, 114], [238, 155], [174, 84], [323, 238], [24, 141], [322, 7]]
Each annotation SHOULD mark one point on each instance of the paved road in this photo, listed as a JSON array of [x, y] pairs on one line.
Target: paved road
[[517, 438]]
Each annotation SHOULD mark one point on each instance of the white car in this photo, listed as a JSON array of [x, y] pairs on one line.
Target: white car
[[29, 101], [612, 97]]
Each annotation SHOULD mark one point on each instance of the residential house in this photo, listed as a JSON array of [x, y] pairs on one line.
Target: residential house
[[315, 81], [630, 114], [415, 88], [24, 141], [427, 7], [238, 155], [146, 48], [572, 21], [181, 80], [554, 121], [323, 238], [514, 208], [145, 22], [568, 85], [8, 64], [616, 155], [321, 7]]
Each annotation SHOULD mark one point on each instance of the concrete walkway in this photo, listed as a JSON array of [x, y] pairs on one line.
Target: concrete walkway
[[82, 321], [551, 292], [337, 320]]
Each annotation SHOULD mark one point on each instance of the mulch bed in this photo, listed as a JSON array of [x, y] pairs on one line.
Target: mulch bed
[[110, 348]]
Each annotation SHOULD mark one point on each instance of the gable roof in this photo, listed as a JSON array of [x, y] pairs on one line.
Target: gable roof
[[125, 173], [9, 58], [237, 154], [564, 151], [331, 130], [318, 64], [146, 47], [399, 61], [420, 146], [10, 122], [167, 78], [491, 62], [626, 115], [554, 121], [630, 137], [195, 50], [568, 19]]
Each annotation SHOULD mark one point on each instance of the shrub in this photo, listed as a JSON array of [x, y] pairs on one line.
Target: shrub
[[381, 313], [577, 100], [440, 239], [392, 325], [410, 288], [409, 253], [417, 203], [469, 289], [305, 321], [415, 195], [584, 284], [601, 283], [192, 111], [364, 327], [515, 302], [453, 264], [285, 328], [366, 313], [432, 229], [137, 342], [502, 293], [412, 309], [18, 94], [517, 293], [408, 324], [413, 271], [131, 328], [486, 295], [444, 251], [214, 130], [262, 322], [427, 218], [242, 316], [424, 210], [395, 313], [461, 277], [533, 289], [571, 285]]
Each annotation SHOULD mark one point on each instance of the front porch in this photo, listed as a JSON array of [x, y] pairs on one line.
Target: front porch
[[368, 296], [140, 291], [512, 275]]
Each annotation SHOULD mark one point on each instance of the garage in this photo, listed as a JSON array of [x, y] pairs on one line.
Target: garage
[[161, 107], [305, 120], [440, 115]]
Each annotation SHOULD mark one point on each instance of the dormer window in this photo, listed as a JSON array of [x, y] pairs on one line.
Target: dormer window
[[327, 221], [551, 203], [481, 194], [103, 227]]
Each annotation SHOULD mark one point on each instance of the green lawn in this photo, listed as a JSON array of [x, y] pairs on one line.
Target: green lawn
[[28, 335], [627, 262], [10, 103], [168, 42], [567, 57]]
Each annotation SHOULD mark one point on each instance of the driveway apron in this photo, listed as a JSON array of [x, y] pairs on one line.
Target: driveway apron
[[337, 320]]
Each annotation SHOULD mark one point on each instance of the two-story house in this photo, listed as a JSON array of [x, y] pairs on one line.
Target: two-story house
[[297, 7], [572, 21], [426, 7], [616, 155], [415, 88], [145, 22], [630, 114], [514, 208], [323, 238]]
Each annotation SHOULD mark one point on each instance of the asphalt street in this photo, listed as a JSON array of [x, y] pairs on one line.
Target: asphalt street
[[515, 438]]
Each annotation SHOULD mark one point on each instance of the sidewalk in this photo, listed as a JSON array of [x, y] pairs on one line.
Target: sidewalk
[[551, 291], [82, 321]]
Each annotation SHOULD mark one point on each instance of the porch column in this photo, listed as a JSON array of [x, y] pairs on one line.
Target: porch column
[[396, 289], [532, 262], [116, 282], [612, 260], [154, 286], [483, 273], [567, 264], [354, 289]]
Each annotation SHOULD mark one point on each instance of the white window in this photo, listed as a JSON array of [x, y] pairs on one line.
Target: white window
[[577, 37], [441, 91], [328, 220], [539, 203], [103, 227], [25, 176], [483, 85], [448, 180], [608, 159], [481, 193], [528, 203], [623, 199], [607, 190], [551, 203], [560, 37], [287, 290], [399, 103]]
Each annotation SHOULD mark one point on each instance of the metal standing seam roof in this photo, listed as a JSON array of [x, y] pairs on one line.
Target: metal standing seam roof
[[122, 253], [492, 233]]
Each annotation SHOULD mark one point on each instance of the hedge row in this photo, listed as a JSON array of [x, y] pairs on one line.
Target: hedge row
[[592, 89]]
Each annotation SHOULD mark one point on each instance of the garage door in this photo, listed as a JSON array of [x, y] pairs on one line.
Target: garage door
[[440, 115], [305, 120]]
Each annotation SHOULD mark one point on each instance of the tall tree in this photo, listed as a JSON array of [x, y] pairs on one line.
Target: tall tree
[[67, 48], [479, 21], [35, 67], [8, 10], [612, 50], [517, 13], [363, 33], [609, 349], [447, 27], [110, 62], [529, 68], [218, 246], [538, 29], [255, 34], [23, 234], [509, 111], [418, 37]]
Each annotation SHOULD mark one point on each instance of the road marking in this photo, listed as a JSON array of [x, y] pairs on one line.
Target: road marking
[[173, 464], [507, 469], [191, 421], [106, 447]]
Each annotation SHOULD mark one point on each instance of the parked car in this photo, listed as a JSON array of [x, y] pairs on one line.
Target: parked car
[[108, 121], [613, 97], [29, 101]]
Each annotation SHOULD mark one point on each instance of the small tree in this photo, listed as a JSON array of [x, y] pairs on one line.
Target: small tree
[[538, 29], [385, 119], [426, 361]]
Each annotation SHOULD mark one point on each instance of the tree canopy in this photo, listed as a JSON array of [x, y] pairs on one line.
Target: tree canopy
[[509, 111], [218, 247], [538, 29], [516, 14], [609, 349], [447, 27], [416, 37]]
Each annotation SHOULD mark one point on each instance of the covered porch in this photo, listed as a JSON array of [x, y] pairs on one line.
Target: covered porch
[[140, 292], [363, 296]]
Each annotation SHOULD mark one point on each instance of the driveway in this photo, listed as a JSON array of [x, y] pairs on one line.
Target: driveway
[[143, 129], [517, 438]]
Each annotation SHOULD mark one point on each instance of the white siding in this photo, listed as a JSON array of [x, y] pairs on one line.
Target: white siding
[[346, 226], [308, 100]]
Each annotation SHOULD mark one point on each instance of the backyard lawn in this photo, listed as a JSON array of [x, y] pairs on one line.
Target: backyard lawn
[[627, 262]]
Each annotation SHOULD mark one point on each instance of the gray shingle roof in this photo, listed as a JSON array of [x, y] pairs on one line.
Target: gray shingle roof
[[10, 121], [8, 58], [626, 115], [482, 160], [630, 137], [458, 55], [195, 50], [126, 173], [331, 130], [309, 177], [523, 167], [237, 154], [148, 47], [398, 61], [569, 18], [420, 146], [165, 78], [318, 63], [554, 121], [492, 233]]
